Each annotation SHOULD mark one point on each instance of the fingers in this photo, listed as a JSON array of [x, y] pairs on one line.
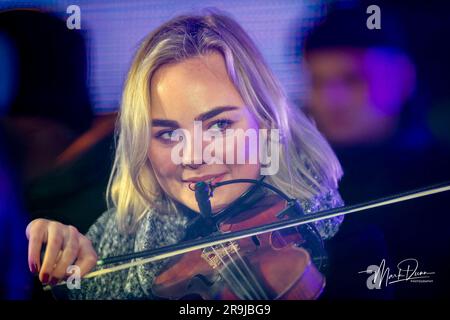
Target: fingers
[[55, 239], [87, 257], [37, 234], [64, 246], [68, 256]]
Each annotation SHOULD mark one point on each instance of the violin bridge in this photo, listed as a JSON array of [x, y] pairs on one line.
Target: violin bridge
[[217, 255]]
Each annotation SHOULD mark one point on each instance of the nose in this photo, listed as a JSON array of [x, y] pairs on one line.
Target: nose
[[192, 152], [336, 94]]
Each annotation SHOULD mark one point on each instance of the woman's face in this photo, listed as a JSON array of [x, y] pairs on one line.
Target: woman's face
[[198, 89]]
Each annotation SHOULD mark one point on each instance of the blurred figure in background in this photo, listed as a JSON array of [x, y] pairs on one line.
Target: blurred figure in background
[[62, 154], [15, 279], [364, 99], [50, 106], [361, 84]]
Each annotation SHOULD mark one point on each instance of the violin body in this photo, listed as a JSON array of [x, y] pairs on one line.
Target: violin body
[[268, 266]]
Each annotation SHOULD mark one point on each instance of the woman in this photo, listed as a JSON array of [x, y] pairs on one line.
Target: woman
[[192, 68]]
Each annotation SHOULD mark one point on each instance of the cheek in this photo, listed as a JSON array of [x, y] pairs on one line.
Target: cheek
[[360, 94], [161, 162], [248, 171], [252, 150], [237, 148]]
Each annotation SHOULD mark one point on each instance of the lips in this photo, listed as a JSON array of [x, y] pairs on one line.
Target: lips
[[218, 179], [213, 178]]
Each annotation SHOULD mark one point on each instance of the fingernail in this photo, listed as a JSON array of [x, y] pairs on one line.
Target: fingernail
[[33, 268], [54, 281], [45, 278]]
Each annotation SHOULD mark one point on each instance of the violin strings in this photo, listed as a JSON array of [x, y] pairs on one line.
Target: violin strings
[[262, 293], [245, 292], [255, 292]]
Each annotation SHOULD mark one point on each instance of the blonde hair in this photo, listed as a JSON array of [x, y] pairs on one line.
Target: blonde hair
[[307, 166]]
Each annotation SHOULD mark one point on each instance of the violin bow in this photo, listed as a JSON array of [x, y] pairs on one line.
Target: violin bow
[[169, 251]]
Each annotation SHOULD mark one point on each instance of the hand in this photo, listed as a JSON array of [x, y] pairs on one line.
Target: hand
[[65, 246]]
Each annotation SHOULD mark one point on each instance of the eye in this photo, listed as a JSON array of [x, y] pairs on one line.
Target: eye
[[221, 124], [165, 136]]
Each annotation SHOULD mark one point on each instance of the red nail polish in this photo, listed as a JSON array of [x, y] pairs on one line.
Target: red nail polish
[[54, 281], [45, 278], [34, 268]]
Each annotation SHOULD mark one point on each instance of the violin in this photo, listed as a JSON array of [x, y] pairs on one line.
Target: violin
[[268, 266], [266, 251]]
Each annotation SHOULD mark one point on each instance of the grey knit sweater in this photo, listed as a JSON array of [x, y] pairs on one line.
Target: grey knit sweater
[[155, 231]]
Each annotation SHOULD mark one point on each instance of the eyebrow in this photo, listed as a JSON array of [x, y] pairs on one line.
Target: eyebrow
[[214, 112], [201, 117], [164, 123]]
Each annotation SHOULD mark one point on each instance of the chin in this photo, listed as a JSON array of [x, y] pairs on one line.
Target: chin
[[218, 207], [220, 200], [215, 207]]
